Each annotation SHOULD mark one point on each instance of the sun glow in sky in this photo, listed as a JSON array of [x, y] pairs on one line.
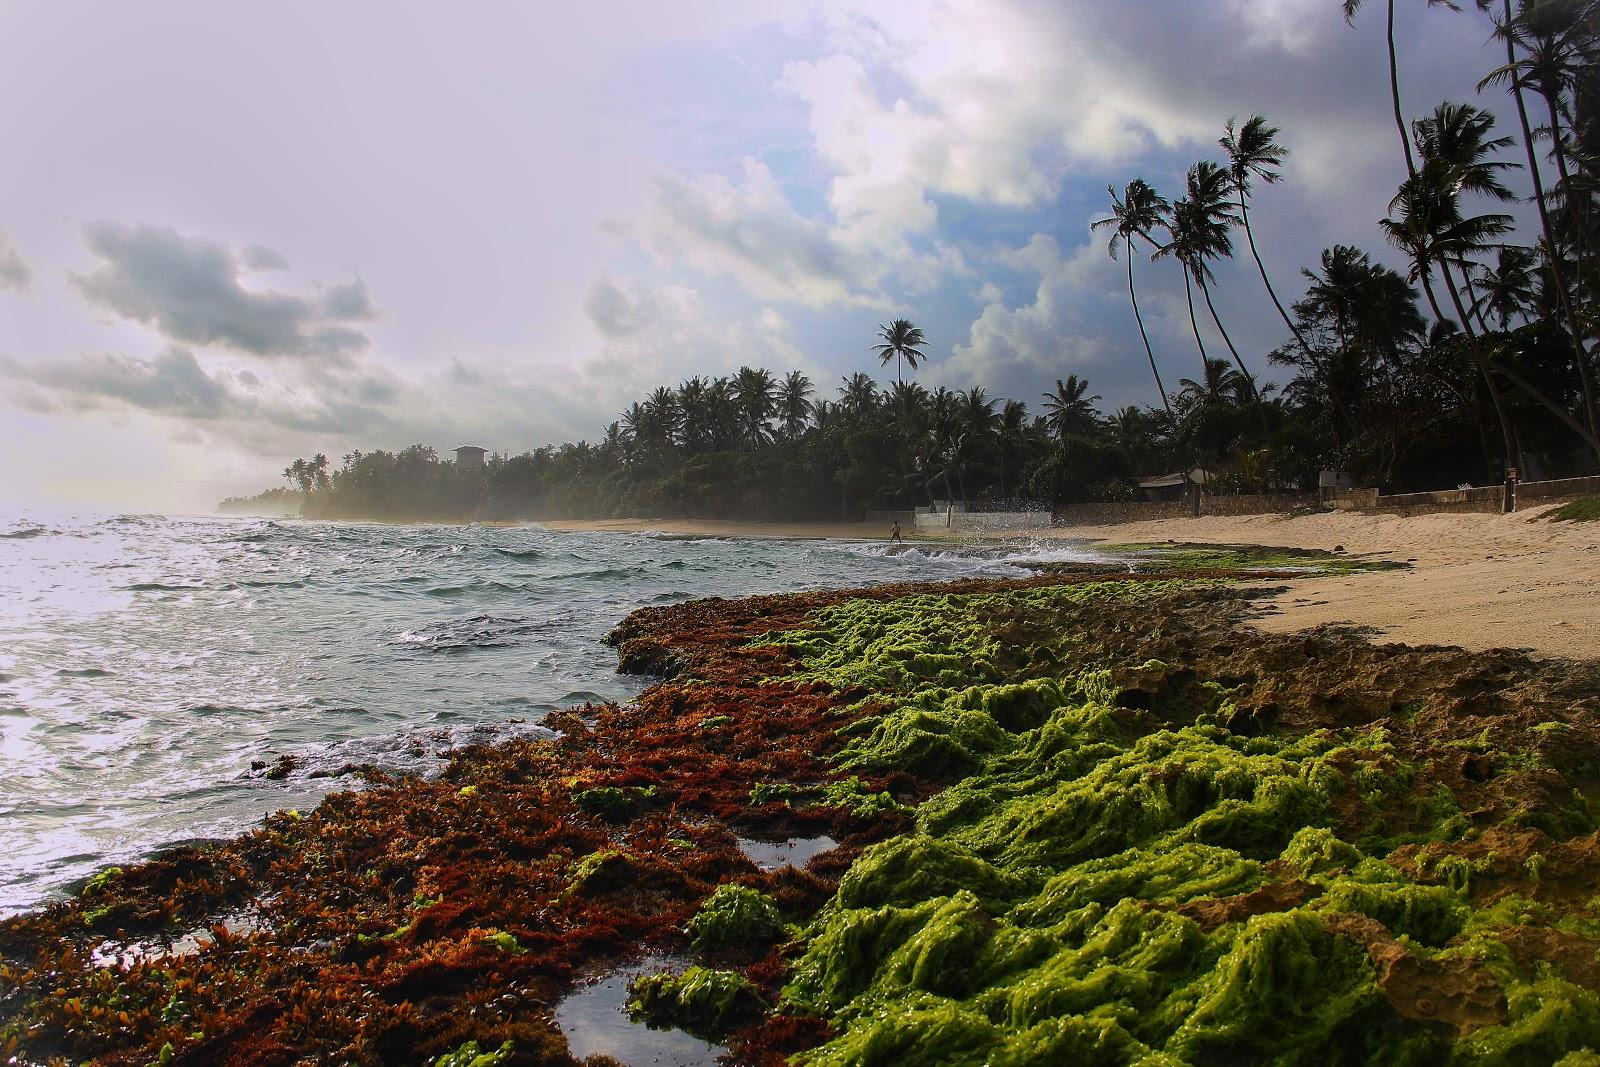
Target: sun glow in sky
[[231, 234]]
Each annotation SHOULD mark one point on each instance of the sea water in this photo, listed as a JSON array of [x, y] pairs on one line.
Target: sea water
[[153, 670]]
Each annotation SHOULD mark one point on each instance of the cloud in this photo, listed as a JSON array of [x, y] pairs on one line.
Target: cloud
[[15, 274], [173, 383], [749, 230], [260, 257], [653, 337], [188, 289], [1049, 336]]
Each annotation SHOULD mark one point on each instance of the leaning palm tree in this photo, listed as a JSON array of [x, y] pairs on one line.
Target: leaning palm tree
[[1427, 225], [1459, 139], [1350, 8], [902, 341], [1254, 152], [1199, 231], [1136, 215], [1555, 61]]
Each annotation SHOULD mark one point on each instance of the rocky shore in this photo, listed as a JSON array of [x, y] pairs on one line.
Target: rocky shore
[[1077, 818]]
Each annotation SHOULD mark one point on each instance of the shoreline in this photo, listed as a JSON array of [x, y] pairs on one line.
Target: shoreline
[[1474, 581], [1033, 794]]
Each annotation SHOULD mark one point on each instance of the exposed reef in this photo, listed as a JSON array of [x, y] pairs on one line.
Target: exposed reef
[[1081, 818]]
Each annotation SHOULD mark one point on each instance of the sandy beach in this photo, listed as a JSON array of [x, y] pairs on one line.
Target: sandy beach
[[1479, 581]]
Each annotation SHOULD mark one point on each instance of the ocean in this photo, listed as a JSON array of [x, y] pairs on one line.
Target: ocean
[[148, 662]]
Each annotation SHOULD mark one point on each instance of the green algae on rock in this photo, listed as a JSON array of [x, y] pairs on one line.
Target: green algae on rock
[[702, 1001], [735, 917]]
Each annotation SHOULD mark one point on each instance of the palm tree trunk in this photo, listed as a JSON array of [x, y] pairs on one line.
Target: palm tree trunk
[[1513, 458], [1477, 358], [1261, 408], [1244, 215], [1148, 351], [1580, 353], [1394, 94], [1193, 323]]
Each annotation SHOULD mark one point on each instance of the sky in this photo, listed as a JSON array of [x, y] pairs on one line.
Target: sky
[[232, 234]]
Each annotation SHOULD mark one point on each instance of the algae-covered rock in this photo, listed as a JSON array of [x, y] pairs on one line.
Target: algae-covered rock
[[1316, 849], [468, 1055], [736, 916], [907, 870], [1286, 985], [701, 1000]]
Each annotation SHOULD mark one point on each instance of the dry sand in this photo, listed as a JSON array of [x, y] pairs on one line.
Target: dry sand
[[1480, 581]]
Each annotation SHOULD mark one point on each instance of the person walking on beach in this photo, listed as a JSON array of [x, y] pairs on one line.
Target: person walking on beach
[[894, 532]]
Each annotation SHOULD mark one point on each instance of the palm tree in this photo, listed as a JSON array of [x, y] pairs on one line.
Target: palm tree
[[1219, 385], [756, 394], [901, 341], [1426, 223], [794, 403], [1137, 214], [1012, 437], [858, 395], [1549, 68], [1069, 410], [1350, 8], [1199, 231], [1253, 152], [1507, 288]]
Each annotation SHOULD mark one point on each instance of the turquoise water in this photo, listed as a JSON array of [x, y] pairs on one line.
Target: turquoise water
[[146, 662]]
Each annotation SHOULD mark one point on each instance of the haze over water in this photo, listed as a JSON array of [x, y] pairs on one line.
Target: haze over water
[[145, 662]]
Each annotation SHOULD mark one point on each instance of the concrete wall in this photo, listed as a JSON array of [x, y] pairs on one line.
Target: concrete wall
[[1530, 494], [1142, 510], [984, 520]]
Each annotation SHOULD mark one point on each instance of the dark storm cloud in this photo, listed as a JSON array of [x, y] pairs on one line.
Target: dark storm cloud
[[188, 289]]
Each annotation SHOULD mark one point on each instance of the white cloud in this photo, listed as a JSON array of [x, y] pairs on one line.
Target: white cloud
[[1048, 336], [750, 231]]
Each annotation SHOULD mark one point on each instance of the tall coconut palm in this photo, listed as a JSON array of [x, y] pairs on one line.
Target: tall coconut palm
[[1136, 215], [901, 341], [756, 394], [1254, 152], [1200, 232], [1548, 68], [1070, 410], [794, 403], [1350, 8]]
